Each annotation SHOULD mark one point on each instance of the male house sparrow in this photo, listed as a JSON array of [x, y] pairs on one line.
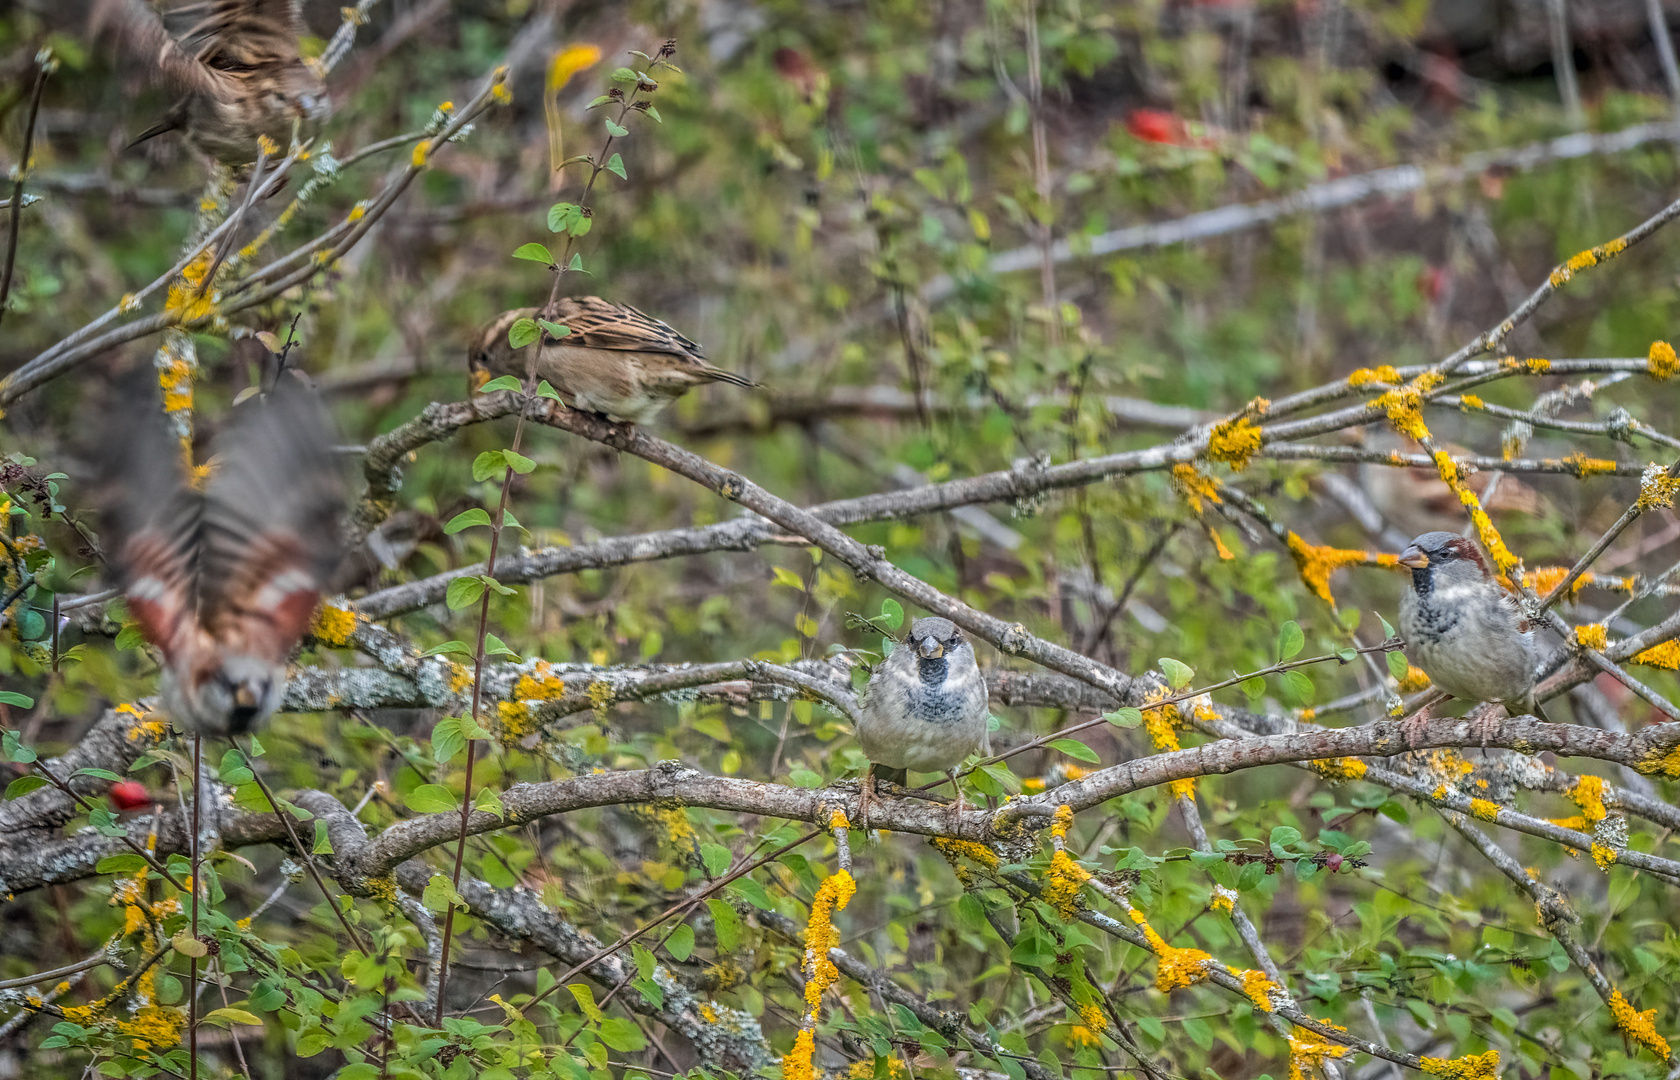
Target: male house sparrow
[[616, 361], [1462, 629], [237, 69], [224, 580], [925, 708]]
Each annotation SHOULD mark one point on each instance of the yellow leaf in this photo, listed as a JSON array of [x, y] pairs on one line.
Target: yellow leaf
[[566, 63], [231, 1017]]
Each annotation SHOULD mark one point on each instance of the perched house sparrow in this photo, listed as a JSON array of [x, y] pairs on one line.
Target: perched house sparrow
[[925, 708], [616, 361], [237, 69], [1462, 628], [223, 580]]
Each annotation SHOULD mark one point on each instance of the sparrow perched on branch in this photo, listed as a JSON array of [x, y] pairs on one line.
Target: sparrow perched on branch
[[223, 580], [1463, 629], [616, 361], [237, 70], [925, 708]]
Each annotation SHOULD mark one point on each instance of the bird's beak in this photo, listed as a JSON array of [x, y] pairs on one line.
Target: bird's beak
[[1414, 558], [930, 648], [244, 697]]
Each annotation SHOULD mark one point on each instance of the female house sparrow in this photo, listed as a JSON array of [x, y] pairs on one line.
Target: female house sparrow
[[616, 361], [1462, 629], [925, 708], [237, 69], [223, 580]]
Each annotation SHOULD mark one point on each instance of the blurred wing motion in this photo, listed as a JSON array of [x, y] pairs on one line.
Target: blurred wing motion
[[237, 69], [224, 581]]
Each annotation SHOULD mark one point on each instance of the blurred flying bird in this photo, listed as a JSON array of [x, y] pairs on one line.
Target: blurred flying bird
[[223, 579]]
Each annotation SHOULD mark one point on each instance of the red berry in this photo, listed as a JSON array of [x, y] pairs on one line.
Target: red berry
[[1333, 863], [1154, 125], [130, 795]]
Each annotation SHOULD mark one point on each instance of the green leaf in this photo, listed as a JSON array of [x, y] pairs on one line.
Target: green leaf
[[234, 769], [653, 112], [727, 923], [615, 165], [576, 265], [1125, 718], [616, 131], [523, 332], [534, 253], [555, 330], [519, 463], [622, 1035], [561, 216], [466, 519], [463, 591], [14, 748], [1073, 748], [449, 647], [1299, 685], [130, 637], [495, 646], [892, 613], [717, 859], [492, 583], [546, 391], [125, 863], [787, 577], [584, 995], [1388, 631], [504, 382], [1253, 688], [681, 942], [12, 697], [490, 802], [1178, 674], [1290, 640], [23, 785], [488, 464], [440, 894], [323, 842], [624, 75], [1398, 666], [448, 740], [99, 774], [431, 799]]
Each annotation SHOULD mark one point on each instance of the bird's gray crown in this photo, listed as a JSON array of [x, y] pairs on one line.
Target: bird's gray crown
[[933, 627]]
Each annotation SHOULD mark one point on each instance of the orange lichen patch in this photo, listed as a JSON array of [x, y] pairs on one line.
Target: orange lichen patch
[[1582, 260], [1219, 547], [1547, 578], [1404, 404], [1577, 822], [1080, 1035], [1656, 488], [175, 379], [967, 849], [1588, 793], [1195, 485], [333, 625], [1592, 636], [1537, 365], [183, 301], [1234, 442], [1583, 466], [1316, 562], [1308, 716], [1416, 679], [1341, 768], [1032, 784], [1639, 1026], [1666, 655], [459, 678], [1470, 1067], [1223, 899], [1471, 401], [1661, 763], [154, 1025], [1661, 361], [1446, 466], [838, 821], [1386, 374], [1258, 988], [1061, 822], [1162, 723], [1604, 855], [864, 1070], [1092, 1016], [1308, 1051], [1065, 877], [1178, 967], [1491, 540], [797, 1064], [1485, 809], [833, 895], [1075, 772]]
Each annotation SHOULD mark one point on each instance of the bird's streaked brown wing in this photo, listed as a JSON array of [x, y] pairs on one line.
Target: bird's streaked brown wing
[[150, 518], [272, 508], [142, 34], [597, 324]]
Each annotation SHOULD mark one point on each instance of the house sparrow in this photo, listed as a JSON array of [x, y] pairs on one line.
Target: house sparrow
[[223, 580], [616, 361], [1463, 629], [925, 708], [237, 70]]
